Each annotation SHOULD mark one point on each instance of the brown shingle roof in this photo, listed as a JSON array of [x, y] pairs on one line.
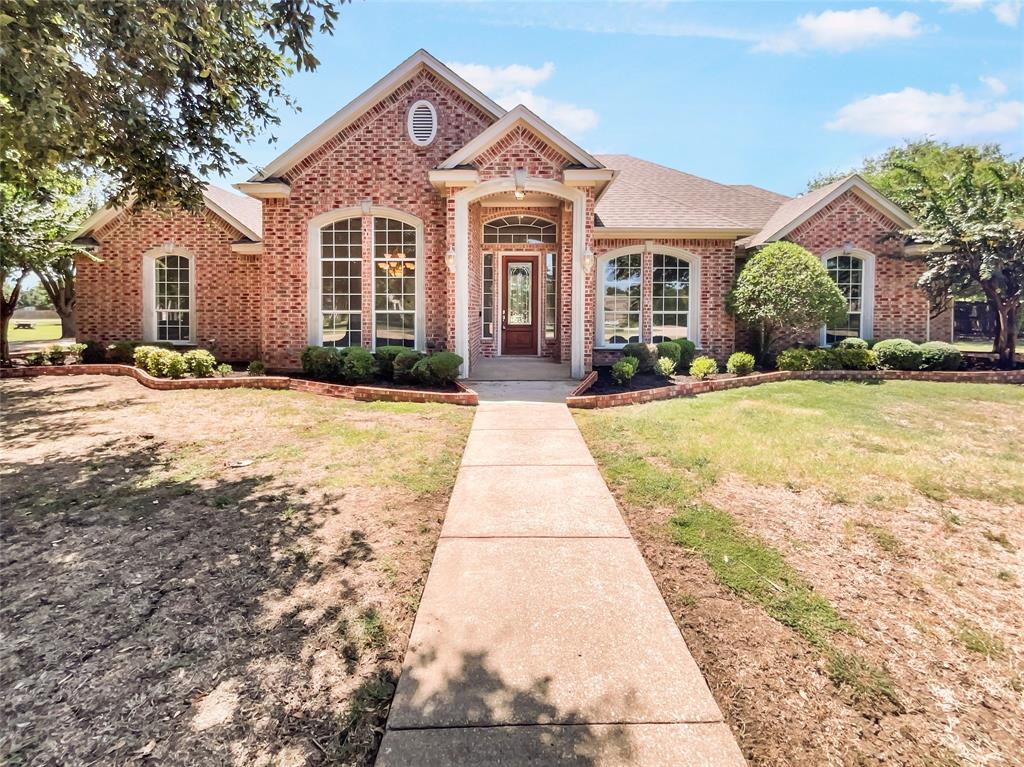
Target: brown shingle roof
[[647, 195]]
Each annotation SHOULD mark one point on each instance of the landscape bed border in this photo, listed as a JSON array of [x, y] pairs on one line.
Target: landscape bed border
[[580, 399], [463, 395]]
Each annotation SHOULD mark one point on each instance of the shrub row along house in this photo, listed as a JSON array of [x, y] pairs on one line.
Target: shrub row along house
[[423, 214]]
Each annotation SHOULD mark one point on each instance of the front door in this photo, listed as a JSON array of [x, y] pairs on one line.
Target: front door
[[519, 309]]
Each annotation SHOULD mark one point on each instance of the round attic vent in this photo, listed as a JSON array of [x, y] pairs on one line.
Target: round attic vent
[[422, 123]]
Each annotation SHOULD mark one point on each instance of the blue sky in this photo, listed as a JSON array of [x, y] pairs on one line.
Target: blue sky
[[768, 93]]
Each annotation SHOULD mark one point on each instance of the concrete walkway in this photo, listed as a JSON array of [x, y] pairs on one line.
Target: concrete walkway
[[541, 638]]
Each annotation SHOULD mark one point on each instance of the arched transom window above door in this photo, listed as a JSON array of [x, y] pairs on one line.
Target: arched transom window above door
[[519, 230]]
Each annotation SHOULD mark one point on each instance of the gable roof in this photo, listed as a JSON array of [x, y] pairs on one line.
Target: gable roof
[[355, 108], [646, 195], [243, 213], [794, 212], [520, 115]]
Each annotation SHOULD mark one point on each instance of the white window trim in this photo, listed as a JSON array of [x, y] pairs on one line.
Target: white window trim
[[867, 309], [314, 284], [408, 123], [693, 318], [149, 321], [317, 276], [492, 219]]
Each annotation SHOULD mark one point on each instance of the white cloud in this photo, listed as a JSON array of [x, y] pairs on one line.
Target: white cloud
[[515, 84], [994, 84], [912, 112], [1007, 12], [842, 31]]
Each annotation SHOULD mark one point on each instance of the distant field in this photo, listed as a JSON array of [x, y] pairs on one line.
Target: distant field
[[42, 330], [982, 345]]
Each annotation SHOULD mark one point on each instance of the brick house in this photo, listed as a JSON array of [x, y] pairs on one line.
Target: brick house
[[424, 214]]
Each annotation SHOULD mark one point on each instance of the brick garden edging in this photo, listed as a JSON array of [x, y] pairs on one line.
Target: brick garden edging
[[579, 399], [464, 395]]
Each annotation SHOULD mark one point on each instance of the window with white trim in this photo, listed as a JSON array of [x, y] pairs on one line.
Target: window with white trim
[[173, 298], [620, 300], [848, 273], [394, 283], [341, 282], [487, 302], [550, 296], [519, 230], [670, 287]]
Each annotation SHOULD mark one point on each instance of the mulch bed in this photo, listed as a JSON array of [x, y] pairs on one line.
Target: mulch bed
[[385, 383], [605, 384]]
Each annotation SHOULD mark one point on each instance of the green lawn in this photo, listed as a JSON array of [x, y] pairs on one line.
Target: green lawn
[[43, 330]]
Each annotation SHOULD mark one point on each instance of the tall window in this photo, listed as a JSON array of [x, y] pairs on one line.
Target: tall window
[[487, 302], [670, 286], [519, 229], [620, 299], [173, 298], [550, 296], [341, 264], [394, 283], [848, 273]]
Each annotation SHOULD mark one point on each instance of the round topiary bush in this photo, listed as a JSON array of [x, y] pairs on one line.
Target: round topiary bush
[[855, 358], [898, 354], [438, 369], [687, 351], [793, 359], [703, 367], [256, 368], [670, 349], [403, 364], [740, 363], [851, 343], [386, 359], [624, 370], [359, 366], [938, 355], [200, 363], [323, 362], [645, 354]]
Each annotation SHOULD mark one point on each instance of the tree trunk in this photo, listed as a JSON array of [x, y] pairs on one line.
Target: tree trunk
[[1006, 335], [59, 283], [7, 307]]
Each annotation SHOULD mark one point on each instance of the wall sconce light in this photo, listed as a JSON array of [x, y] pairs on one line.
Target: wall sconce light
[[365, 206], [588, 260], [449, 259], [847, 248], [519, 175], [168, 246]]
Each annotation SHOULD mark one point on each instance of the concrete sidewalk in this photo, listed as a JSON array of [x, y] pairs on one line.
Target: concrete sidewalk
[[541, 637]]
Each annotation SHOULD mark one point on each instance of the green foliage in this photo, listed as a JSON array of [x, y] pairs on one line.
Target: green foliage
[[166, 363], [785, 288], [665, 367], [851, 343], [94, 353], [386, 359], [36, 358], [403, 365], [359, 366], [740, 363], [938, 355], [256, 368], [672, 350], [323, 362], [76, 352], [34, 298], [624, 370], [122, 353], [438, 369], [200, 363], [687, 351], [645, 354], [56, 354], [156, 94], [703, 367], [855, 357], [141, 355], [224, 370], [797, 358], [898, 354]]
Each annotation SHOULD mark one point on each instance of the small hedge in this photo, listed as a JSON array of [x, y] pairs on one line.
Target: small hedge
[[672, 350], [200, 363], [403, 364], [624, 370], [256, 368], [740, 363], [938, 355], [94, 353], [323, 362], [851, 343], [224, 370], [121, 352], [703, 367], [359, 366], [687, 351], [898, 354], [385, 356], [665, 367], [438, 369], [645, 355]]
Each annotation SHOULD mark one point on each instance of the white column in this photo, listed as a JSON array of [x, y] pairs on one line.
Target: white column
[[462, 281], [579, 217]]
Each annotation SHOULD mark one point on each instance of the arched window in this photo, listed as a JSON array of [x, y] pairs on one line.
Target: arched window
[[670, 286], [169, 296], [619, 300], [519, 229], [341, 282], [853, 272], [394, 282]]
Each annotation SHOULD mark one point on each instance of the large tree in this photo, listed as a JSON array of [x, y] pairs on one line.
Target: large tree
[[154, 94]]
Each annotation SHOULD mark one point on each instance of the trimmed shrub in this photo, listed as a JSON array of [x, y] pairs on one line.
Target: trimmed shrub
[[200, 363], [123, 353], [94, 353], [142, 354], [665, 367], [703, 367], [740, 363], [822, 359], [855, 357], [35, 358], [439, 369], [687, 351], [385, 356], [76, 351], [898, 354], [851, 343], [645, 354], [670, 349], [359, 366], [165, 363], [323, 362], [256, 368], [624, 370], [938, 355], [224, 370], [56, 354], [403, 364]]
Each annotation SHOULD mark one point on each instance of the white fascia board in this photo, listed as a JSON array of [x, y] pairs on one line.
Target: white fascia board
[[860, 187], [587, 176], [264, 190], [98, 219], [519, 114], [649, 233], [355, 108], [455, 177]]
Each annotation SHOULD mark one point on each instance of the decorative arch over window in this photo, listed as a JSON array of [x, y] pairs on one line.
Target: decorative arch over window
[[519, 230], [853, 271], [169, 295]]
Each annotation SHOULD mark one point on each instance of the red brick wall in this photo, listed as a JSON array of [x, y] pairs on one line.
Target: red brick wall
[[227, 284], [372, 158], [520, 148]]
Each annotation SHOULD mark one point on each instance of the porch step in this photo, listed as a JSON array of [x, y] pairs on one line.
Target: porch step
[[519, 369]]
